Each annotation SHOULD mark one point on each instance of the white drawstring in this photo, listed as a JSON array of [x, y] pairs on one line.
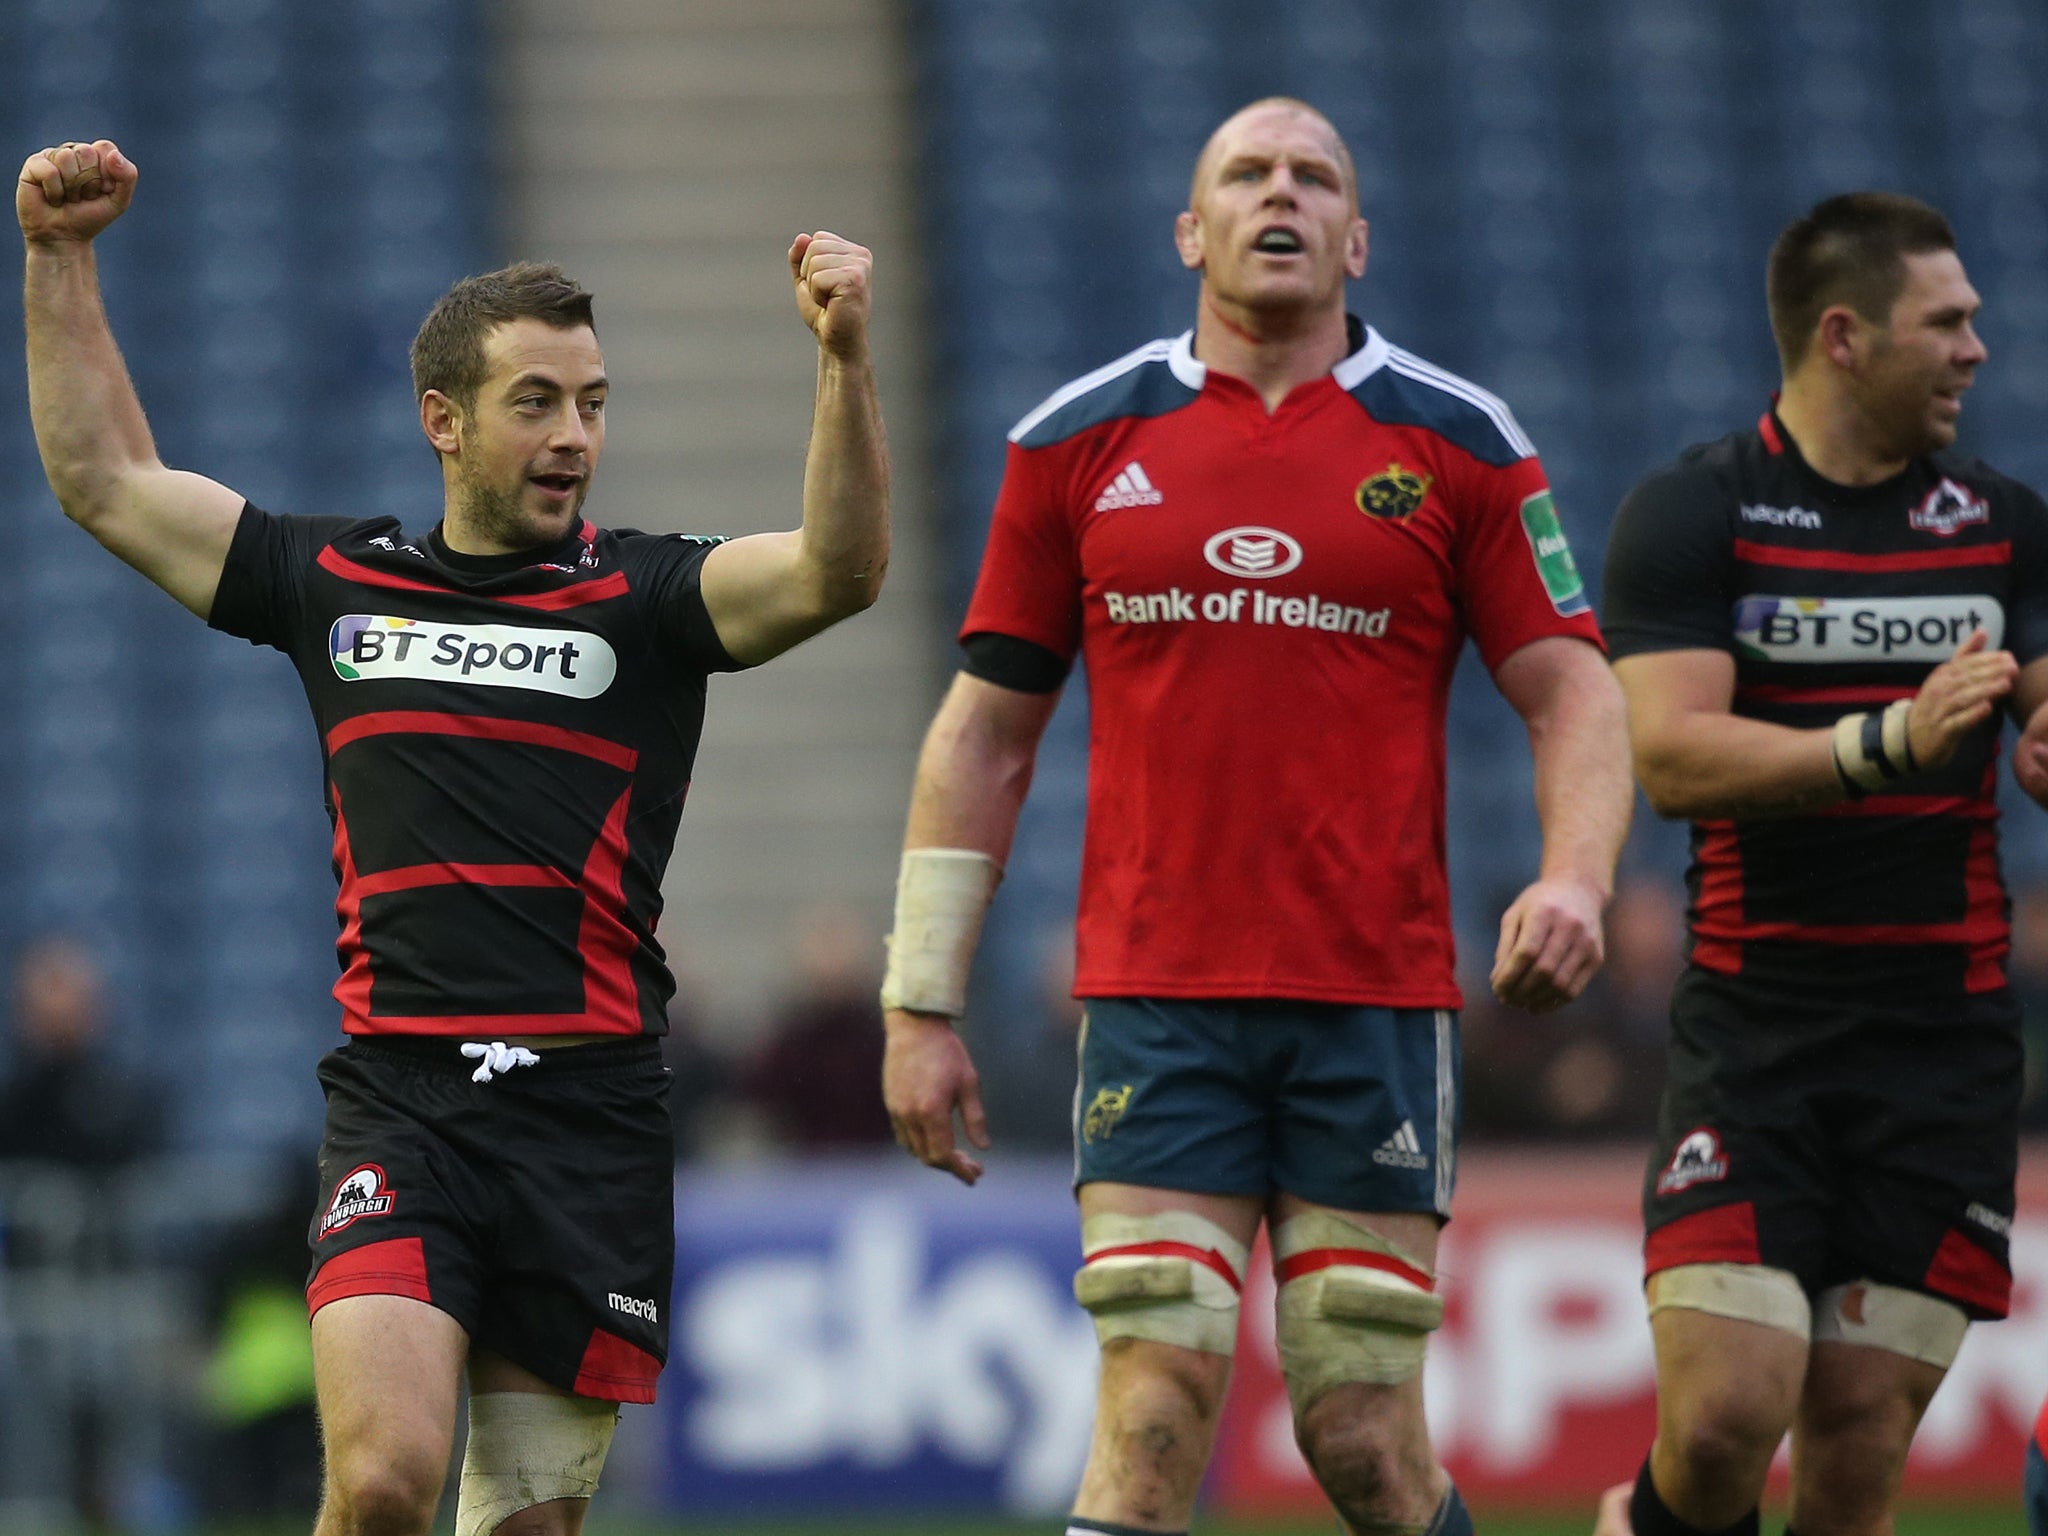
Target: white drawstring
[[496, 1057]]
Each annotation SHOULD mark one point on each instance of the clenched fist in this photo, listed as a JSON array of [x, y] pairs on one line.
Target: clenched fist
[[832, 278], [73, 191]]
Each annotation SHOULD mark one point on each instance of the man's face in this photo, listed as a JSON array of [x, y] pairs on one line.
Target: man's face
[[1272, 222], [1922, 359], [530, 445]]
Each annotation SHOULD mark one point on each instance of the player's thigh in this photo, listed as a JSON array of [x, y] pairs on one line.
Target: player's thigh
[[1171, 1098], [1855, 1425], [1724, 1382], [387, 1371], [1164, 1342], [1365, 1107]]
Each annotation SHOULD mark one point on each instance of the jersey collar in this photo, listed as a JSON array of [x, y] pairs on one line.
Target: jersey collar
[[1368, 352], [562, 552]]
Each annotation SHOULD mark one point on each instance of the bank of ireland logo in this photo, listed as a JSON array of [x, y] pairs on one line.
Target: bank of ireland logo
[[1561, 579], [1698, 1159], [1394, 493], [364, 1192], [1260, 553]]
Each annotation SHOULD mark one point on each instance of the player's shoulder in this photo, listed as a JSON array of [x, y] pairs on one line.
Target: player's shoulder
[[1397, 388], [1713, 471], [1967, 469], [1152, 380]]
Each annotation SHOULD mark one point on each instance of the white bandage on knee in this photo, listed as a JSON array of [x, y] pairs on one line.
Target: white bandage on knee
[[941, 897], [526, 1448], [1749, 1293], [1352, 1307], [1920, 1327], [1173, 1278]]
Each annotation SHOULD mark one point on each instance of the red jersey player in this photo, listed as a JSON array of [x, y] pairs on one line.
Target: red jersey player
[[1268, 540]]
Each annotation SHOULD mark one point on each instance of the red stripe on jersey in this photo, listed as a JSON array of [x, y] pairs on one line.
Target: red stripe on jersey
[[1972, 930], [1309, 1260], [395, 1267], [1767, 429], [1984, 894], [616, 1371], [353, 990], [1906, 560], [597, 591], [423, 722], [574, 596], [1208, 1258], [1914, 805], [338, 564], [412, 876], [1784, 693], [1720, 898], [611, 999], [1722, 1234], [1967, 1273]]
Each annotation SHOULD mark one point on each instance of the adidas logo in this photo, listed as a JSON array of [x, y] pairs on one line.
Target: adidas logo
[[1129, 489], [1403, 1149]]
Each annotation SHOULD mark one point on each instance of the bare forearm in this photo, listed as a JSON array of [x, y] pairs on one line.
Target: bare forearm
[[1584, 796], [968, 794], [1715, 765], [845, 536], [89, 424]]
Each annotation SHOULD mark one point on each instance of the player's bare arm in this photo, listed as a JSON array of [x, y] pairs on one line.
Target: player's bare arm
[[767, 592], [971, 780], [2029, 703], [173, 526], [1696, 758], [1550, 937]]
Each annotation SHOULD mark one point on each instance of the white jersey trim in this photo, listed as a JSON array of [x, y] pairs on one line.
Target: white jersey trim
[[1364, 363], [1151, 352], [1188, 368], [1409, 366]]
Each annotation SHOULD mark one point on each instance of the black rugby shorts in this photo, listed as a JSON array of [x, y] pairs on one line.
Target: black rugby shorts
[[536, 1209], [1841, 1141]]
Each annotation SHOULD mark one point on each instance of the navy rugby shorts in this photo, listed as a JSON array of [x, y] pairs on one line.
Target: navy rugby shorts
[[536, 1209], [1348, 1107], [1839, 1141]]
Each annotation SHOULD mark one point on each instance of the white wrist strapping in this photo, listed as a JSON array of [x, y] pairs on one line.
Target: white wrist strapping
[[941, 896], [1871, 750]]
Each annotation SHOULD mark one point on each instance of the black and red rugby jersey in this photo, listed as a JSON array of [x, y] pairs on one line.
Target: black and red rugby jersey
[[507, 740], [1831, 599]]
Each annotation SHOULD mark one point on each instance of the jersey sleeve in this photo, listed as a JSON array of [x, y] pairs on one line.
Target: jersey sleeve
[[671, 573], [2026, 629], [262, 592], [1516, 579], [1670, 566], [1030, 582]]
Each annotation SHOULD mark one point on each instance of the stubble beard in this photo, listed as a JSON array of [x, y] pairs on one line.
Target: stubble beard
[[499, 516]]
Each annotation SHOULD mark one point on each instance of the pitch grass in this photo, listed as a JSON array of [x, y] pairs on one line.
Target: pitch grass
[[1983, 1520]]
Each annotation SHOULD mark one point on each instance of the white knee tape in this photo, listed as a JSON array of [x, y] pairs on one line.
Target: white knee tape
[[526, 1448], [1920, 1327], [1172, 1277], [1749, 1293], [1352, 1307]]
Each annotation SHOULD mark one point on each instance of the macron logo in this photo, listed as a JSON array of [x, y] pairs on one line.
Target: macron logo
[[633, 1306], [1129, 489]]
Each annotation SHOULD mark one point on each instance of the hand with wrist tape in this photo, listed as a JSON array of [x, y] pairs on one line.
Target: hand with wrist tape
[[927, 1073], [1876, 749]]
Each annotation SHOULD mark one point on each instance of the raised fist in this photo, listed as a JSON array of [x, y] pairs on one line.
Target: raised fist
[[73, 191], [832, 278]]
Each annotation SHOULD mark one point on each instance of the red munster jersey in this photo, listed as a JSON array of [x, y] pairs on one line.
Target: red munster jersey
[[1269, 608]]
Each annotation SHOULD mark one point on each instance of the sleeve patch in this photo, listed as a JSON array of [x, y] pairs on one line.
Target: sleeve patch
[[1553, 555]]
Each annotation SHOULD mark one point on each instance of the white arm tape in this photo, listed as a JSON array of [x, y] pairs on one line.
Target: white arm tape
[[941, 896]]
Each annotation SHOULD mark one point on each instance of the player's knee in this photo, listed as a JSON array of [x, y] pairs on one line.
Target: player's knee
[[1171, 1277], [1723, 1436], [531, 1462], [1157, 1395], [383, 1493], [1367, 1457], [1352, 1308]]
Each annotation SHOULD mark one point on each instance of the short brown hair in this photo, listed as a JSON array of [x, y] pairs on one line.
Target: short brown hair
[[448, 352], [1850, 249]]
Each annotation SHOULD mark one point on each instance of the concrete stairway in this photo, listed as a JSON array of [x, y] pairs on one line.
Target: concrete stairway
[[665, 151]]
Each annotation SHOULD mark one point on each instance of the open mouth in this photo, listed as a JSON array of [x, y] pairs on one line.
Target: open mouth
[[1277, 241], [557, 485]]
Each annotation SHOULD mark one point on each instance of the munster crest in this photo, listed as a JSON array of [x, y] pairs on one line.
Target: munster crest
[[1393, 493]]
